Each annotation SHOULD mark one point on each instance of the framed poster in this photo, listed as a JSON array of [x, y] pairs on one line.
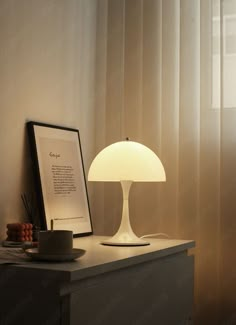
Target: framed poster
[[60, 178]]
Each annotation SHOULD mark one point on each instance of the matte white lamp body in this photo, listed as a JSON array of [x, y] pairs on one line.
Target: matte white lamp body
[[126, 162], [125, 235]]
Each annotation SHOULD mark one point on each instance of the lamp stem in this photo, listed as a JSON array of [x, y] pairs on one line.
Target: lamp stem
[[125, 221], [125, 235]]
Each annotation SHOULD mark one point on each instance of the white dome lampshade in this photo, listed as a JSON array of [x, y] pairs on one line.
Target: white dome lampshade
[[126, 162]]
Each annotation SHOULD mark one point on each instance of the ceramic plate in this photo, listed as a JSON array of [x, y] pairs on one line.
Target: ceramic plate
[[34, 254]]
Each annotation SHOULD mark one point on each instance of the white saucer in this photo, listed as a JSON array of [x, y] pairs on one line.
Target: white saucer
[[34, 254]]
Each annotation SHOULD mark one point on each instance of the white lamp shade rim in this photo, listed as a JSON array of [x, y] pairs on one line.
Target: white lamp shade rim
[[127, 160]]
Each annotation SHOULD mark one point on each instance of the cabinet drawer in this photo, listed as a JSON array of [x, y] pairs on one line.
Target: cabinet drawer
[[156, 292]]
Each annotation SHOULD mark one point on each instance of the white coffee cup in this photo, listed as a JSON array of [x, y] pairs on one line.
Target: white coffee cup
[[55, 242]]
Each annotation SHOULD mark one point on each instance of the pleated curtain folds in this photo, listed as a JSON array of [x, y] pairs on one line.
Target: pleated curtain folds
[[163, 79]]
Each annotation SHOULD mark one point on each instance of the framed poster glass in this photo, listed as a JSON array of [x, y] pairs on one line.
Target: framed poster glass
[[60, 178]]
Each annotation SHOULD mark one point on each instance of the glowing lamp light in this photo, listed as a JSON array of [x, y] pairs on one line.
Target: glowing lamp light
[[126, 162]]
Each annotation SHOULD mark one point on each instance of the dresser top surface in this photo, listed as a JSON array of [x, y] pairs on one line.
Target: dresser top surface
[[100, 258]]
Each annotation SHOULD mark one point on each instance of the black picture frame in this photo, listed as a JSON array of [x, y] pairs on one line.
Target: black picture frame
[[61, 187]]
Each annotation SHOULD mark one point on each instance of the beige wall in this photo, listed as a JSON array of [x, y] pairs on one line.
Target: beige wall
[[46, 74]]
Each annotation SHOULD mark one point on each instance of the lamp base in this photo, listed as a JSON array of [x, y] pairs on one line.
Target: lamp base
[[119, 241]]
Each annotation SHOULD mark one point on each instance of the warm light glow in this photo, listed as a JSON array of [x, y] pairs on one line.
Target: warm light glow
[[127, 160]]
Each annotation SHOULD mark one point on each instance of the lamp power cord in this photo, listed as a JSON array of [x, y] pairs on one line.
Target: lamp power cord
[[156, 235]]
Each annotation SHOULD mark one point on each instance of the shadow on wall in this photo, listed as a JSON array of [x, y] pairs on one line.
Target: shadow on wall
[[28, 182]]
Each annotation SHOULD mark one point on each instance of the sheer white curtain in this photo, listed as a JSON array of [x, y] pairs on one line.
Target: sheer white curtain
[[162, 79]]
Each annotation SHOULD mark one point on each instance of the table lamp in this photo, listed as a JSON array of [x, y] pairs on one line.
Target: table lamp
[[126, 162]]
